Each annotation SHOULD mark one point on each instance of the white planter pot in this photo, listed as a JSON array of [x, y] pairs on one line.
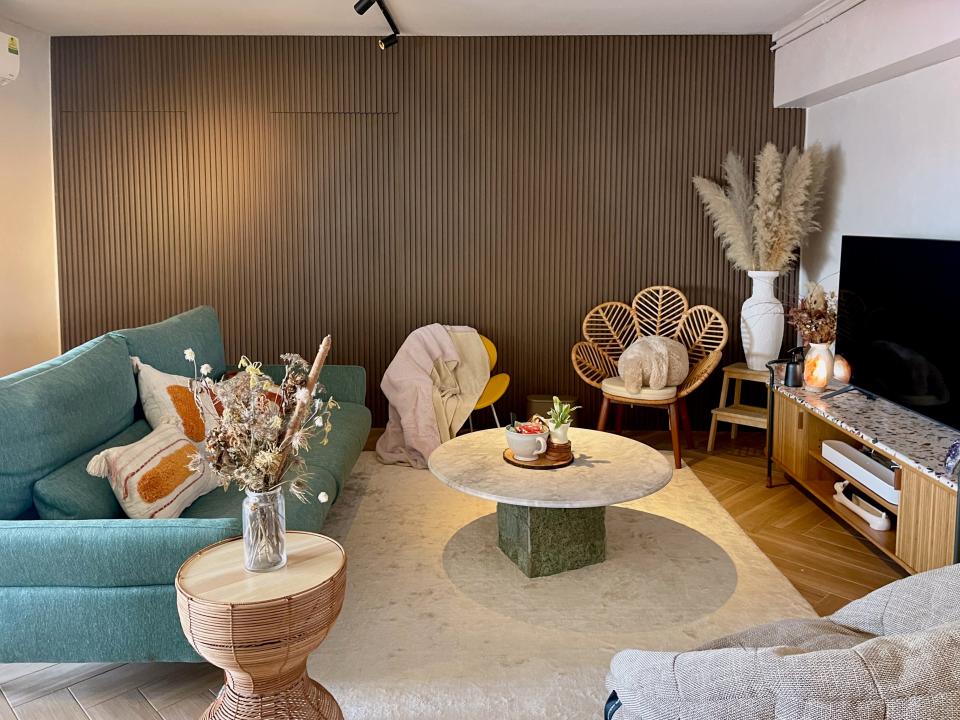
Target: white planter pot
[[761, 321], [558, 433]]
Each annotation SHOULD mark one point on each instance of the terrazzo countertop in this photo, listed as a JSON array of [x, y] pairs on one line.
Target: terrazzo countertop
[[913, 439]]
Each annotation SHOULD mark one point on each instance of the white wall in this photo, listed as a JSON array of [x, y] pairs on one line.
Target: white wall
[[895, 150], [29, 316], [872, 42]]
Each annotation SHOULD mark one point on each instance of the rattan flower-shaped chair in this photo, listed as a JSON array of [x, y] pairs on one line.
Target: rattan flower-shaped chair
[[609, 329]]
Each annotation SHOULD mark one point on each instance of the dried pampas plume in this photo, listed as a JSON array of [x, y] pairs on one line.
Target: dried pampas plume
[[762, 227]]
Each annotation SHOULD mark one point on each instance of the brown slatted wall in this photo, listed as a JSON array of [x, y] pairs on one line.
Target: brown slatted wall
[[308, 185]]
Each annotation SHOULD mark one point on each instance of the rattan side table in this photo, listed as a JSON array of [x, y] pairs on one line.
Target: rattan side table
[[260, 627]]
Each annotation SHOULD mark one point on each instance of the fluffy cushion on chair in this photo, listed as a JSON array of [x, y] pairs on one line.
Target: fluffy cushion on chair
[[616, 386], [653, 362], [168, 398], [152, 477]]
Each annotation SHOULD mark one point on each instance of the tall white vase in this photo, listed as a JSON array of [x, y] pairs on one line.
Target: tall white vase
[[761, 321]]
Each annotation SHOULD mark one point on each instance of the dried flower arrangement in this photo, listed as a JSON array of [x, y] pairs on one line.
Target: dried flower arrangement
[[761, 227], [256, 442], [816, 316]]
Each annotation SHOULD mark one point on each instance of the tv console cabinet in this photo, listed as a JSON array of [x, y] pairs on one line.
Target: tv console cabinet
[[922, 536]]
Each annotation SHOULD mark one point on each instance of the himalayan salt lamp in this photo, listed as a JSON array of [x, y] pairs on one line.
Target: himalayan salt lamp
[[817, 367], [841, 369]]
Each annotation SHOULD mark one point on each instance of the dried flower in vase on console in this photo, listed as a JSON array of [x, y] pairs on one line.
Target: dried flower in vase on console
[[816, 316]]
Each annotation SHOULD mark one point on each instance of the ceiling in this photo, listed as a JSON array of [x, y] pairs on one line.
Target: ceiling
[[415, 17]]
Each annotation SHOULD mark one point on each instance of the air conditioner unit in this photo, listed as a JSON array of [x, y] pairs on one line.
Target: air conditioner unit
[[9, 58]]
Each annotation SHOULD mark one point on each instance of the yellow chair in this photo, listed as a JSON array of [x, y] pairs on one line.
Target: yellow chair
[[496, 386]]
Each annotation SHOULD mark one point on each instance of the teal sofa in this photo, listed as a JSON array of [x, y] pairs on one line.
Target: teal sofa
[[80, 582]]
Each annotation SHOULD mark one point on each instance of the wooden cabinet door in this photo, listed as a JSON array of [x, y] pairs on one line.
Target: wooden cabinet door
[[925, 522], [789, 436]]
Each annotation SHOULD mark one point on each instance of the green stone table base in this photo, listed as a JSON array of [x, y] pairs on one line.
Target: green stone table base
[[547, 541]]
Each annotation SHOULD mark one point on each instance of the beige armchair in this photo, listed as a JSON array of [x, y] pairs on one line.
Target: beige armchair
[[609, 328]]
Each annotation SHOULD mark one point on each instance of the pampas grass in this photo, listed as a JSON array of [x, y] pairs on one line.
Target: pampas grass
[[762, 227]]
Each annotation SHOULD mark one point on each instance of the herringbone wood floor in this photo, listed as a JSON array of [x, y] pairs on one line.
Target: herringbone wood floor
[[827, 563]]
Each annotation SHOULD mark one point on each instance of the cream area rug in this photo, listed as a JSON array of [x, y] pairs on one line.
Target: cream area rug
[[438, 623]]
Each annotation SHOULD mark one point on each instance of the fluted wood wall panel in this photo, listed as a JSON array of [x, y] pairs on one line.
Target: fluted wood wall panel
[[311, 185]]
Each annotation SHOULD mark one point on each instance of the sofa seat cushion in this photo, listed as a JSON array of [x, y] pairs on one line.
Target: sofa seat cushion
[[103, 553], [55, 411], [71, 493], [617, 386], [161, 345]]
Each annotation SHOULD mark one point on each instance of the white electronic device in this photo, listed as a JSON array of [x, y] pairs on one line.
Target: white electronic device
[[865, 470], [9, 58]]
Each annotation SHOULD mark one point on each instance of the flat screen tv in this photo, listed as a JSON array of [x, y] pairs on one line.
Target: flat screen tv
[[897, 321]]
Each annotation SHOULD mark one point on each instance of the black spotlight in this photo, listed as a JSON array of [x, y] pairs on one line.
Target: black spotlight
[[361, 6], [388, 41]]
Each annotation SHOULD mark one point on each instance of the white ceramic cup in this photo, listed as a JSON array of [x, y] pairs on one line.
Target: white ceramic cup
[[527, 447]]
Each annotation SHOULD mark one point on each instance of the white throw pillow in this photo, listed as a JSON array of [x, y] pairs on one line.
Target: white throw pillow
[[151, 477], [168, 398]]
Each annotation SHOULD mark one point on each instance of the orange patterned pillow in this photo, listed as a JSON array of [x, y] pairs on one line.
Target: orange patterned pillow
[[152, 477], [168, 398]]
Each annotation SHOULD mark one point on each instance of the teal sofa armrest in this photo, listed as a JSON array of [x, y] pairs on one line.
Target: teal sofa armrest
[[345, 383], [103, 553]]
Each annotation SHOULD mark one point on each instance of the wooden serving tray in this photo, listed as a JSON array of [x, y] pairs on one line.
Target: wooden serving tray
[[541, 463]]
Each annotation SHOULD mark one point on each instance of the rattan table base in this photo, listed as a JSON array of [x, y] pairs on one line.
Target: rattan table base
[[306, 699], [260, 627]]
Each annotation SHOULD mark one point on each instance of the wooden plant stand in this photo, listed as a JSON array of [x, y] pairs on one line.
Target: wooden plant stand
[[737, 413], [260, 627]]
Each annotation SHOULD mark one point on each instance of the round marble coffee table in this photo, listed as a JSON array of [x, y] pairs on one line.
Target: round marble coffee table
[[550, 521]]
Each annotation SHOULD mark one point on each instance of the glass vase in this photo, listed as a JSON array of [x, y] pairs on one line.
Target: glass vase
[[817, 367], [264, 530]]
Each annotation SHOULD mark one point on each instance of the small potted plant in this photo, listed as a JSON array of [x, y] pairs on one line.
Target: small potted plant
[[558, 420]]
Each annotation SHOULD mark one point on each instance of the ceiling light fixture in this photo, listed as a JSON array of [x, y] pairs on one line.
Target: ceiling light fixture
[[361, 6]]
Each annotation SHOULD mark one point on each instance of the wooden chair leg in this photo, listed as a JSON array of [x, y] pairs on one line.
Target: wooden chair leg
[[604, 410], [675, 434], [685, 419], [618, 421]]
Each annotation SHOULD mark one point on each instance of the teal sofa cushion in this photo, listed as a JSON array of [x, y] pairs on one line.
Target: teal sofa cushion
[[161, 345], [71, 493], [55, 411], [103, 553]]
